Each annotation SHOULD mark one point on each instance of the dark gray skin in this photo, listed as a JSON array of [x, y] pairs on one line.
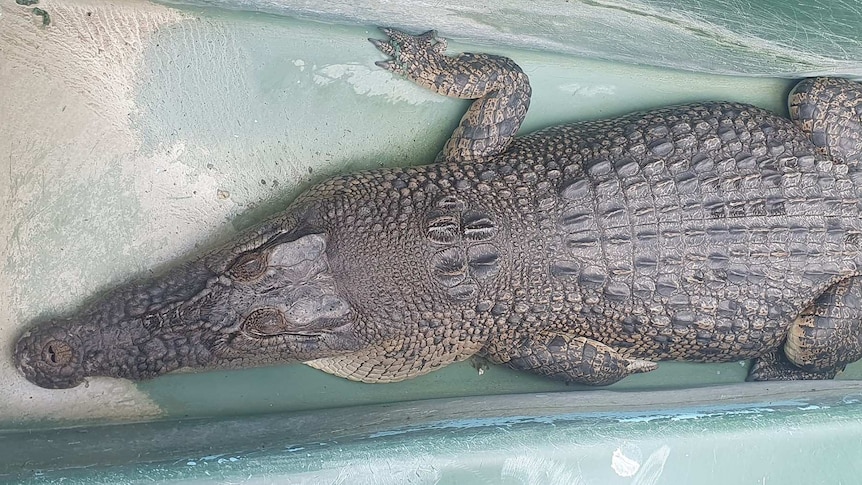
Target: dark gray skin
[[586, 252]]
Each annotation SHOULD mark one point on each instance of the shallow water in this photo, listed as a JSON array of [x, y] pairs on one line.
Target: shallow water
[[142, 134]]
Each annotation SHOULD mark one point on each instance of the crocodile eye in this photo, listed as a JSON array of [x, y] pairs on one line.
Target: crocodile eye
[[57, 353], [265, 322], [248, 267]]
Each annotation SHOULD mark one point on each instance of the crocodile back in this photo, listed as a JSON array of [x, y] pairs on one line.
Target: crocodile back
[[693, 232]]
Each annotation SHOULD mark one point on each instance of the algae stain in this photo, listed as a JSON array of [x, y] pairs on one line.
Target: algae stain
[[46, 18]]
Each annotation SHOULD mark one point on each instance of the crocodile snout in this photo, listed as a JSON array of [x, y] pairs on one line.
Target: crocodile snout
[[50, 356]]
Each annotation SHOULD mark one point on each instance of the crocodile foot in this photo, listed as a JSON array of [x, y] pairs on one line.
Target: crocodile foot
[[500, 88], [409, 53], [570, 358], [775, 367]]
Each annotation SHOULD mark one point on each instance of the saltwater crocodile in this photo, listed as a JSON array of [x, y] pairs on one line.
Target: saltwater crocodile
[[586, 252]]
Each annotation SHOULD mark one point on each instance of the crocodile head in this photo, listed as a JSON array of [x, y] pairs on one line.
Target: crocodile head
[[269, 298]]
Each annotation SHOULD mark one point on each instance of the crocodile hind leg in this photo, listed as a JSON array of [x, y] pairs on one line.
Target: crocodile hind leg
[[775, 366], [830, 111], [571, 359], [499, 86], [822, 340]]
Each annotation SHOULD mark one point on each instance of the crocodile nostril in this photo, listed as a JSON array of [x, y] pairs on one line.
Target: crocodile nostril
[[57, 353]]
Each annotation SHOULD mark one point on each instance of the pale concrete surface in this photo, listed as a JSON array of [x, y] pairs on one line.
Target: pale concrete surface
[[69, 178]]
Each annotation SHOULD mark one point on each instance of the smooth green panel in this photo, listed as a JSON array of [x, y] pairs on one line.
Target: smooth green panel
[[784, 433]]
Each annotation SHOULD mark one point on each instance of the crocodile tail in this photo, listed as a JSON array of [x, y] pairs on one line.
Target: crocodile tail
[[830, 111]]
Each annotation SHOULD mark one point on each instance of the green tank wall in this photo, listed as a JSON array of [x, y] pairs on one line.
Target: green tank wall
[[785, 433]]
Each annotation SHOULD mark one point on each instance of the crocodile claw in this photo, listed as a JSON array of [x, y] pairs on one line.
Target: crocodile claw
[[383, 46], [409, 53], [637, 366], [390, 65]]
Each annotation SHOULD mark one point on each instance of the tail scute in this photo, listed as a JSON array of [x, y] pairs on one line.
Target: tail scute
[[830, 111]]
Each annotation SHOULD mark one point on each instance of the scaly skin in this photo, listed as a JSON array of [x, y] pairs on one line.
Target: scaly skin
[[585, 252]]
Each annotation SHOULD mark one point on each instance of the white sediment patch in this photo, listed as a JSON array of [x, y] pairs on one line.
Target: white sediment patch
[[68, 92], [626, 460], [178, 202], [373, 81], [535, 470], [576, 89], [653, 467]]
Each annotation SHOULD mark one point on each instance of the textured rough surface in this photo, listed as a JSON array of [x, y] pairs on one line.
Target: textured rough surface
[[68, 91], [584, 252]]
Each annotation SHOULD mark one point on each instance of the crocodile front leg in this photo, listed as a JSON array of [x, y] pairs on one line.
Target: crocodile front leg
[[500, 88], [570, 358], [829, 110]]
